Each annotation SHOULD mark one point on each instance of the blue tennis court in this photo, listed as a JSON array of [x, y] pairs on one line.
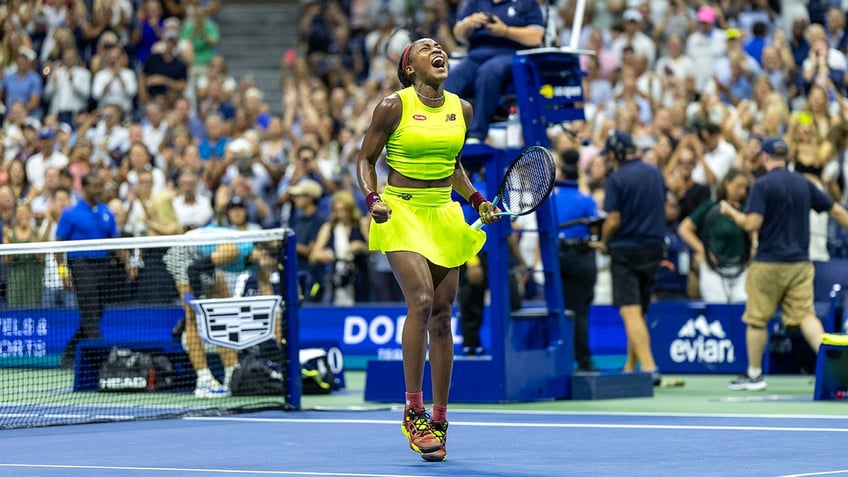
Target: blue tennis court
[[481, 443]]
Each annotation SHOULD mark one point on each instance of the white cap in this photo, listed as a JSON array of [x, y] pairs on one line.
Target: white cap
[[632, 14], [28, 52], [240, 146]]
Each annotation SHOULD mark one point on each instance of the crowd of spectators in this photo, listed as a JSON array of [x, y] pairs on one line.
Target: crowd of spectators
[[136, 91]]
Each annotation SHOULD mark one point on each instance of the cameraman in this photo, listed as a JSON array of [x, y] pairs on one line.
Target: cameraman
[[342, 245]]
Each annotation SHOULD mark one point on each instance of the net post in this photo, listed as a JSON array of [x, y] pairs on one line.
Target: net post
[[291, 297]]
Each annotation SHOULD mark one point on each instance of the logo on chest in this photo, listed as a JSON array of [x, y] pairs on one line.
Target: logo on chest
[[419, 117]]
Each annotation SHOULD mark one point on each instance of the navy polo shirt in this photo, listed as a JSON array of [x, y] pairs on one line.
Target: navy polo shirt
[[84, 222], [515, 13], [784, 199], [571, 204], [306, 230], [637, 191]]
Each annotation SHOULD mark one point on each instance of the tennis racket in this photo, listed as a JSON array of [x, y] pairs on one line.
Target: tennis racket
[[528, 181]]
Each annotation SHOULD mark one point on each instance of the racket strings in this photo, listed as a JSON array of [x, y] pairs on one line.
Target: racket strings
[[527, 183]]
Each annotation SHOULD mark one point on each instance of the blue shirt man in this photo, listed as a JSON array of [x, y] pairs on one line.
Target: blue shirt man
[[573, 204], [577, 269], [23, 85], [89, 219], [90, 271]]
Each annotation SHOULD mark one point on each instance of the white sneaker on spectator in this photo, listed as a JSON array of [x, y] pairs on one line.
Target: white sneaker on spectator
[[228, 375], [208, 387]]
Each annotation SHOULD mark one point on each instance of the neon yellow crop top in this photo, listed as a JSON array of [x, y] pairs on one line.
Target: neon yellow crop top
[[427, 140]]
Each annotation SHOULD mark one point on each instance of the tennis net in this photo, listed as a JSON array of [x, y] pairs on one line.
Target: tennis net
[[150, 327]]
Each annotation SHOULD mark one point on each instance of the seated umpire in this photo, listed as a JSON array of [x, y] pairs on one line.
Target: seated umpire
[[493, 30]]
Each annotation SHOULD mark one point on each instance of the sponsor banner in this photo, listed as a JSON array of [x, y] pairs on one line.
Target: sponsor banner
[[367, 332], [698, 338], [685, 337], [38, 337]]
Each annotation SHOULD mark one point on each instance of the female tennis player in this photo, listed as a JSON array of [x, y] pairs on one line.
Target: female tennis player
[[423, 232]]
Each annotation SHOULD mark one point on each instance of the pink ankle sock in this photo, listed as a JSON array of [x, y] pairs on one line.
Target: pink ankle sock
[[415, 400], [440, 413]]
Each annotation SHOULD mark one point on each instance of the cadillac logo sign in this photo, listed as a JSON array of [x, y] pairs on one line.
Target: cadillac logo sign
[[236, 323]]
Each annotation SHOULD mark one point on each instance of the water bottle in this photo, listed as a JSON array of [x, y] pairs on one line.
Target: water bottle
[[683, 263], [513, 128]]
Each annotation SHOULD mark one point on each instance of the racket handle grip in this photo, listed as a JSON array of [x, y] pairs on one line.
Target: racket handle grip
[[477, 225]]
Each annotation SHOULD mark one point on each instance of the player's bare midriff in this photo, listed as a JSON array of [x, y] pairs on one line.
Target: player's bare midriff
[[399, 180]]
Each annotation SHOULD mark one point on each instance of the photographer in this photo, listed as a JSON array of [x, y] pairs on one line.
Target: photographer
[[342, 244]]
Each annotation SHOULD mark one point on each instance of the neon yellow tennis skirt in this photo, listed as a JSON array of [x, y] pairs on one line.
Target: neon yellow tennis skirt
[[428, 222]]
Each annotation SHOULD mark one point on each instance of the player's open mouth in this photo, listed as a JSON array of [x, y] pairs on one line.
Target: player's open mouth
[[438, 62]]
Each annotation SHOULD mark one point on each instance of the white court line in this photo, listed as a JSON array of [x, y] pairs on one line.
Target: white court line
[[529, 424], [458, 409], [200, 471], [830, 472], [647, 414]]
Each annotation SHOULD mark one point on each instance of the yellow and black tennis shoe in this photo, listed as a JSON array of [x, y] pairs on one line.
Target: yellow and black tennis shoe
[[440, 430], [416, 428]]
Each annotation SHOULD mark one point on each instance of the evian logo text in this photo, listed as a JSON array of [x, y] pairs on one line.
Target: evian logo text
[[701, 342]]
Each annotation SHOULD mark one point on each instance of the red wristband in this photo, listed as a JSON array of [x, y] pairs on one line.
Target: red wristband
[[371, 199], [476, 199]]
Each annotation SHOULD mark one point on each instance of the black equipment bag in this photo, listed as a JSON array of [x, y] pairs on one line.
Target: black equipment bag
[[128, 370], [257, 376]]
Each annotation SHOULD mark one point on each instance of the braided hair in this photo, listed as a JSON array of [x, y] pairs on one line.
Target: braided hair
[[404, 78]]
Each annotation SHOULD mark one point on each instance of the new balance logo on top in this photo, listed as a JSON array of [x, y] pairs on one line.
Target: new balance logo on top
[[699, 341]]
